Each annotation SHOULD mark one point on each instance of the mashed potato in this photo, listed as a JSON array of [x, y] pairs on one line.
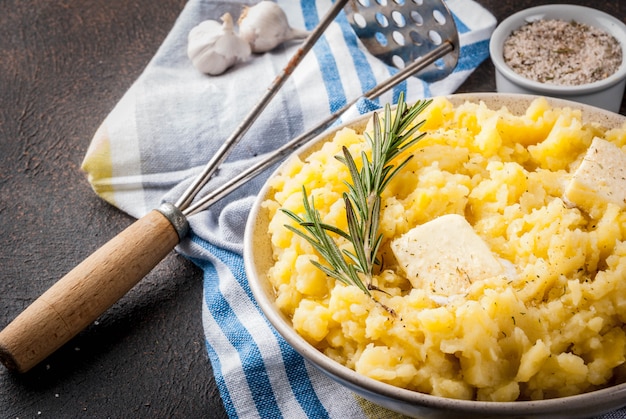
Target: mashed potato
[[553, 326]]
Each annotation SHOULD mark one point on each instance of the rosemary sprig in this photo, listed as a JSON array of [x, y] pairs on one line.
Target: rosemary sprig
[[362, 200]]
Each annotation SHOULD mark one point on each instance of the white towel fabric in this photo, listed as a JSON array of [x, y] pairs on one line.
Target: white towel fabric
[[172, 120]]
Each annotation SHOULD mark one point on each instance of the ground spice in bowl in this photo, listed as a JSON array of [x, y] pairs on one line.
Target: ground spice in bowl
[[562, 52]]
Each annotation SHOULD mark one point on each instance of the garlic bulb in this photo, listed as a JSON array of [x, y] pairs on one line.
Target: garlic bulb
[[214, 47], [265, 26]]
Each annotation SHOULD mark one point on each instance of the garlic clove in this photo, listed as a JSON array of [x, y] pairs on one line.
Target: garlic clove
[[214, 47], [265, 26]]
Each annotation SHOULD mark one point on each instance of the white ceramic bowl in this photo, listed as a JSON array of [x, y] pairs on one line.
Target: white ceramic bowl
[[605, 93], [258, 259]]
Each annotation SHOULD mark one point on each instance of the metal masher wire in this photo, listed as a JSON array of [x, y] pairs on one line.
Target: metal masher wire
[[226, 188]]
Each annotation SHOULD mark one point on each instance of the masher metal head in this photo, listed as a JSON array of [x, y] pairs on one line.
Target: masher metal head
[[400, 32]]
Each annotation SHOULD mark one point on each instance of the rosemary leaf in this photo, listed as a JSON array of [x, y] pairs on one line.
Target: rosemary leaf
[[362, 200]]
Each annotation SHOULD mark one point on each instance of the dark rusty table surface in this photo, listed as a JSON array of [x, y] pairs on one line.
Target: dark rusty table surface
[[63, 66]]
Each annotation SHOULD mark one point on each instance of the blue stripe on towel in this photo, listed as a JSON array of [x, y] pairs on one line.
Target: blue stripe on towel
[[472, 55], [330, 73], [217, 370], [300, 383], [460, 26], [255, 371], [296, 371], [399, 88]]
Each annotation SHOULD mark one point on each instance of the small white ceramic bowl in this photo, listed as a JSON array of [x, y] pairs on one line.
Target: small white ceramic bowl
[[606, 93], [258, 259]]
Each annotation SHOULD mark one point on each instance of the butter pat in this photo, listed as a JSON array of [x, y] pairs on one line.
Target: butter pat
[[445, 256], [600, 178]]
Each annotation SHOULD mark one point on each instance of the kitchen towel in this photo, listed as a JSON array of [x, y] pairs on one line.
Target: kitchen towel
[[172, 120]]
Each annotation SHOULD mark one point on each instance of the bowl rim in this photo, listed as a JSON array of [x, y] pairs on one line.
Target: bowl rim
[[584, 14], [609, 398]]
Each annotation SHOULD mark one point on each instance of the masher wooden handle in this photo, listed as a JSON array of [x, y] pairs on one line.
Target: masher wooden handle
[[81, 296]]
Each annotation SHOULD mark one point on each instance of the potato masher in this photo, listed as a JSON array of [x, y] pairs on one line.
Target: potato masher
[[411, 35]]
